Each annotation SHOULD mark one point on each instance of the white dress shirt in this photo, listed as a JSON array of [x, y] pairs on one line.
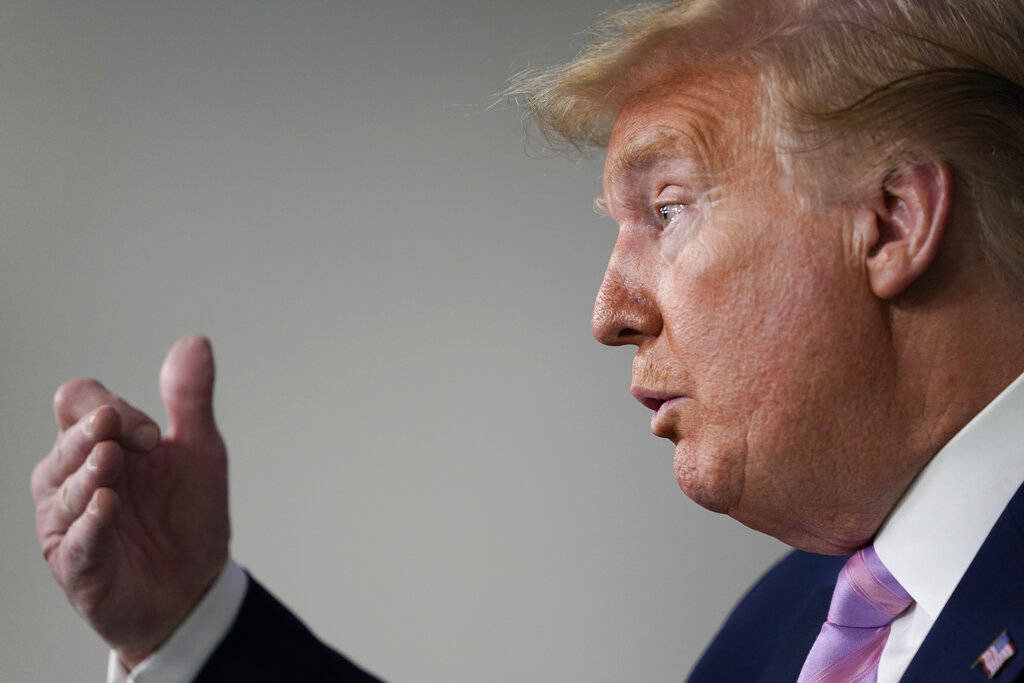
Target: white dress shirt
[[181, 657], [927, 542], [934, 532]]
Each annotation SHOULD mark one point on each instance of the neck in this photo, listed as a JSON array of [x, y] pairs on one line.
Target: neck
[[958, 348]]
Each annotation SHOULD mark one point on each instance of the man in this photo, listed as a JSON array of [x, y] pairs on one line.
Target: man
[[821, 264]]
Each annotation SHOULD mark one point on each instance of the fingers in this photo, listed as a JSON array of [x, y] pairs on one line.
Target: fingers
[[99, 470], [77, 398], [186, 385], [87, 539], [72, 446], [58, 508]]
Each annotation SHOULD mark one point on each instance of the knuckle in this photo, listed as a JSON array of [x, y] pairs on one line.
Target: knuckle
[[67, 496], [106, 420], [104, 449], [60, 455], [48, 533], [36, 482], [48, 544], [62, 499], [106, 455]]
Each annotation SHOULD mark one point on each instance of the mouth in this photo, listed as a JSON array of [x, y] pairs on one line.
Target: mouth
[[652, 399], [660, 403]]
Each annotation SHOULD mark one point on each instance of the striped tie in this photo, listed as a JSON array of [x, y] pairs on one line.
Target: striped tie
[[865, 601]]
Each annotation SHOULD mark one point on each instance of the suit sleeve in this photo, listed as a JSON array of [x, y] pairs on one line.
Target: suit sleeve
[[268, 643]]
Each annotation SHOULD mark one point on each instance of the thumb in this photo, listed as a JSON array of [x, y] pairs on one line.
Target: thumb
[[186, 385]]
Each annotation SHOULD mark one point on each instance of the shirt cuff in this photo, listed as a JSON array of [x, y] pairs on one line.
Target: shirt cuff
[[181, 657]]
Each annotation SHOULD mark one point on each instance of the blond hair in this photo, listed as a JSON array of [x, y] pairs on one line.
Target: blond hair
[[850, 89]]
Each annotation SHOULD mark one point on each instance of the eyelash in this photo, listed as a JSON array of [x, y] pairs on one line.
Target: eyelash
[[665, 212]]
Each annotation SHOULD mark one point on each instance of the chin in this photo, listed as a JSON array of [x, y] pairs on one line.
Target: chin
[[707, 479], [703, 488]]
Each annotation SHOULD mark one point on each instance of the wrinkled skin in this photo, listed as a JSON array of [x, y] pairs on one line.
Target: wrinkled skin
[[135, 527], [757, 316], [807, 390]]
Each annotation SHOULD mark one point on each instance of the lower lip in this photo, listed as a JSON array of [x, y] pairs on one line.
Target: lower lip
[[663, 411]]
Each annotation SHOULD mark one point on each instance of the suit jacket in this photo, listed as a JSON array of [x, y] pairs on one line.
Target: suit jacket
[[770, 632], [268, 644], [764, 640]]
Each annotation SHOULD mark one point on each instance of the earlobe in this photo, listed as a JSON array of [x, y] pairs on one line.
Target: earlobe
[[909, 224]]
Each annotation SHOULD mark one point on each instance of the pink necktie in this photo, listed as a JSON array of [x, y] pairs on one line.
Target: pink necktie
[[865, 601]]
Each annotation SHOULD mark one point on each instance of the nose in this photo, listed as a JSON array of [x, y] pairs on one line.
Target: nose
[[625, 311]]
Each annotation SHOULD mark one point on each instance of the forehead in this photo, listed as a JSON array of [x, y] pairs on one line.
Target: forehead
[[703, 118]]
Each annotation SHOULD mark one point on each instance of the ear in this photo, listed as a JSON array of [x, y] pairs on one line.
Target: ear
[[908, 225]]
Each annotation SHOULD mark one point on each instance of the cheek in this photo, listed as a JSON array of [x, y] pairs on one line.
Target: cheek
[[757, 326], [728, 304], [746, 303], [715, 329]]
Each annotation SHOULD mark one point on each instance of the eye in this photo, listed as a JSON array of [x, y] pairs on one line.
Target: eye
[[668, 212]]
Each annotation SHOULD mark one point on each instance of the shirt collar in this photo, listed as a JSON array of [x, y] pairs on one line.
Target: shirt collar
[[931, 536]]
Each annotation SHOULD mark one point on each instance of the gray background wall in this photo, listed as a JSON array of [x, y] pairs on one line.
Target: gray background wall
[[432, 461]]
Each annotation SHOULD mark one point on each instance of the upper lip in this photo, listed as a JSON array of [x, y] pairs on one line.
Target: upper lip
[[652, 399]]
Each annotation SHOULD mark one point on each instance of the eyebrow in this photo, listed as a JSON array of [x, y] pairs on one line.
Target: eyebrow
[[644, 153]]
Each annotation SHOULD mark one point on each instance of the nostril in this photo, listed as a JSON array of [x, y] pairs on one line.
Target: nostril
[[628, 332]]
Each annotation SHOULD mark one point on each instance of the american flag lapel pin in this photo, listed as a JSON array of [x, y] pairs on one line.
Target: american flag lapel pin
[[997, 654]]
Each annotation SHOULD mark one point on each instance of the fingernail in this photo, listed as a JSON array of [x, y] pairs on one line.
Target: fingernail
[[90, 424], [94, 505], [145, 437], [90, 462]]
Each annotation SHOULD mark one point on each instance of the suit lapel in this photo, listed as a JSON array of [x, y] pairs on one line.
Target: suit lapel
[[989, 599], [789, 659]]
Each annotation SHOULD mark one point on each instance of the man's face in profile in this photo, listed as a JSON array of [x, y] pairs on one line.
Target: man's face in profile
[[756, 333]]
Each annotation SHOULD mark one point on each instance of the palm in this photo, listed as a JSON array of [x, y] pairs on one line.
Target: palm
[[156, 561]]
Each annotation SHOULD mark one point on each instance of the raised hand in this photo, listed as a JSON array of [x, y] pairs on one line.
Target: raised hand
[[135, 527]]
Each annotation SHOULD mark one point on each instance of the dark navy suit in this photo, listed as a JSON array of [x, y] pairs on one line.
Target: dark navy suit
[[267, 644], [764, 640], [768, 635]]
